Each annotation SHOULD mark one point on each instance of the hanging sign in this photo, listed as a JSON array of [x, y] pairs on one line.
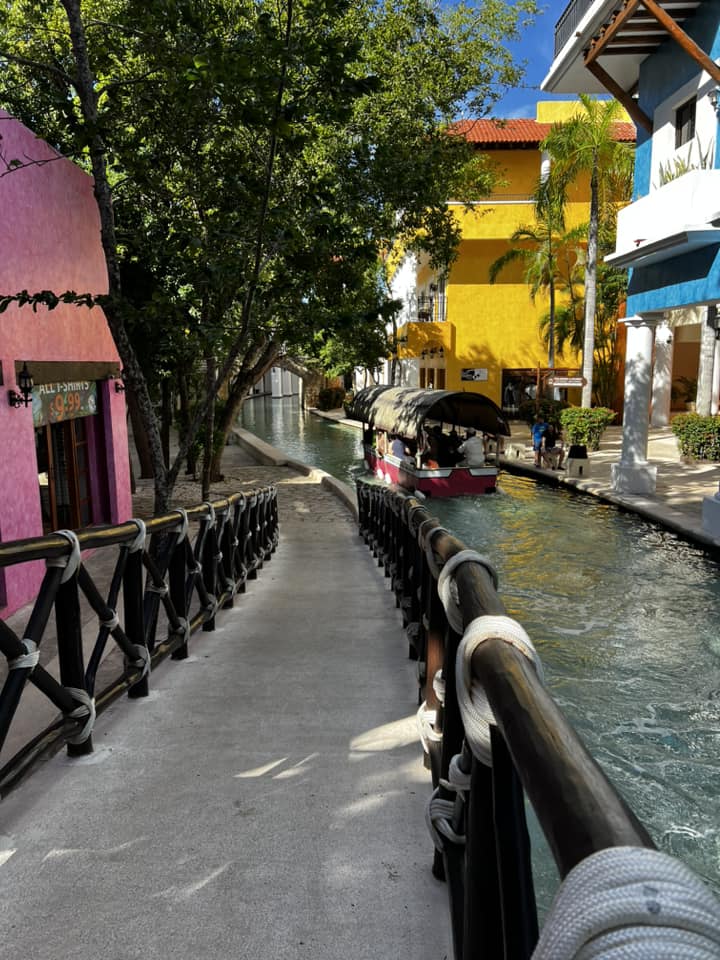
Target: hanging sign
[[473, 373], [54, 402], [565, 381]]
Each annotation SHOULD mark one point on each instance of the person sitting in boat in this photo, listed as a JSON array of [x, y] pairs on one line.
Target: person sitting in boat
[[397, 448], [430, 454], [382, 443], [473, 450]]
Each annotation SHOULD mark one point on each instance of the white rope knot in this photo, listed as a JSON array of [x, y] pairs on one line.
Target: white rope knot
[[218, 556], [197, 568], [631, 902], [477, 715], [438, 816], [85, 710], [72, 561], [161, 589], [139, 542], [447, 588], [113, 622], [457, 780], [28, 660], [439, 686], [210, 510], [429, 552], [184, 525], [141, 661], [235, 543], [426, 726], [210, 609], [183, 628]]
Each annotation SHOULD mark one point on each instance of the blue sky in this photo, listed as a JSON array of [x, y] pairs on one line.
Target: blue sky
[[536, 47]]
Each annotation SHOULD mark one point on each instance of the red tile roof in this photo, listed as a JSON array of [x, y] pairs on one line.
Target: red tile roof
[[521, 133]]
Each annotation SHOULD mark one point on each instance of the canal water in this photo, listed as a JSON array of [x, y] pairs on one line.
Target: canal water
[[626, 619]]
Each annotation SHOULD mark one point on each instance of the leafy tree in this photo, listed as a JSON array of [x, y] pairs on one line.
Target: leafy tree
[[586, 144], [250, 164]]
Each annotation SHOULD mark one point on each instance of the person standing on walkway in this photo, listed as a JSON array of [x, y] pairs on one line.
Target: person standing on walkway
[[537, 432]]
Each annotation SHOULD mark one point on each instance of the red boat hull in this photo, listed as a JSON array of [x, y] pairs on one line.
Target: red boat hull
[[441, 482]]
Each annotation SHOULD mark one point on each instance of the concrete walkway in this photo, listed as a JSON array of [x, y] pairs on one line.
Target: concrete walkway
[[265, 801]]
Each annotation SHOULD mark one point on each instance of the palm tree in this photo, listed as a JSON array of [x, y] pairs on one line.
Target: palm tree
[[585, 144], [541, 245]]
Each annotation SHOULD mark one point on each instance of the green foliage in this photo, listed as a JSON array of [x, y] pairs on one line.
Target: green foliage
[[698, 436], [586, 425], [679, 166], [686, 388], [549, 410], [331, 398]]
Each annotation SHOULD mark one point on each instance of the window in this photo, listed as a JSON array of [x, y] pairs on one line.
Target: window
[[685, 123]]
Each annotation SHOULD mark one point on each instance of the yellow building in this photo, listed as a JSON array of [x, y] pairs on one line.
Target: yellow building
[[464, 332]]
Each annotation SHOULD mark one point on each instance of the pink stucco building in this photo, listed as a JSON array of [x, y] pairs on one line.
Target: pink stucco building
[[65, 454]]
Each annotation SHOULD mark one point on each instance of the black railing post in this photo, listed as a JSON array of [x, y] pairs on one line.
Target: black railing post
[[177, 579], [133, 612], [483, 931], [209, 560], [70, 649]]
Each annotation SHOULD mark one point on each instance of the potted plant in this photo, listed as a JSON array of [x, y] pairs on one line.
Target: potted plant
[[688, 391]]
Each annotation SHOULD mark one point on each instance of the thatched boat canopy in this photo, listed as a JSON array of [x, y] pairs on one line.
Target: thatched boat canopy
[[404, 410]]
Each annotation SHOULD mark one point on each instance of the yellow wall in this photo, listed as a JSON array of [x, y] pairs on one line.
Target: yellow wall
[[496, 326]]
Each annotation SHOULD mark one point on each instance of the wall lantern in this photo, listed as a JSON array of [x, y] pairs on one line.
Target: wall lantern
[[714, 98], [119, 384], [441, 353], [25, 383]]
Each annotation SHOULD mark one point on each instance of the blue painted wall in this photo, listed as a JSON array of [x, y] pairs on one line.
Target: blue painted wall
[[695, 277], [665, 72]]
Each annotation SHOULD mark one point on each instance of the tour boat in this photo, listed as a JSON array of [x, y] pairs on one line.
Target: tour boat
[[411, 414]]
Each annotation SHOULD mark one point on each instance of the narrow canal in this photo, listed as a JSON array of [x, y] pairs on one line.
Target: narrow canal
[[625, 616]]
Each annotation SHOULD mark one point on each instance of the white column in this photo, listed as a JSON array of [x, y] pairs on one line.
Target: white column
[[707, 361], [276, 380], [662, 376], [633, 474]]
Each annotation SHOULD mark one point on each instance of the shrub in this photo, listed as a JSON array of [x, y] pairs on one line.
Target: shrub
[[330, 398], [549, 410], [698, 436], [583, 425]]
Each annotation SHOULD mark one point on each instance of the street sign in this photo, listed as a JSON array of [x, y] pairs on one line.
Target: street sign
[[566, 381]]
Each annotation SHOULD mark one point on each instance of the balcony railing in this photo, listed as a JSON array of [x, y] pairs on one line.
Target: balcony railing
[[569, 21], [424, 308]]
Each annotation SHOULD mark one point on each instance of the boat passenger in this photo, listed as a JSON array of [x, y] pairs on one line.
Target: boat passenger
[[397, 448], [473, 450], [382, 444]]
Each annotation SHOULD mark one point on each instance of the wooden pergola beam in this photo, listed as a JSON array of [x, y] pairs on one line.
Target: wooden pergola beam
[[612, 86], [685, 42], [597, 46]]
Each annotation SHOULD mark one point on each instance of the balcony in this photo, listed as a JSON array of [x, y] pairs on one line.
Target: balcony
[[680, 216], [569, 22], [426, 308]]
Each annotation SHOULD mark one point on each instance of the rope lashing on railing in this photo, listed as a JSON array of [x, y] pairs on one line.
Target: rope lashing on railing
[[477, 715], [141, 661], [438, 683], [427, 536], [447, 588], [28, 660], [113, 622], [183, 628], [161, 589], [631, 902], [72, 561], [139, 542], [426, 726], [211, 511], [438, 816], [184, 524], [457, 780], [85, 710]]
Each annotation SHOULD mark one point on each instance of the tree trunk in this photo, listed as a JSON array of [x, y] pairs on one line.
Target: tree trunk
[[139, 436], [208, 457], [590, 291], [86, 87], [167, 416]]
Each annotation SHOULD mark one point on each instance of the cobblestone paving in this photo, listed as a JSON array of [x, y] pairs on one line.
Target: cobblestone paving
[[300, 498]]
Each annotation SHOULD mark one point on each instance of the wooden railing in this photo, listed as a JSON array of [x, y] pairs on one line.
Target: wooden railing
[[477, 809], [175, 572]]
